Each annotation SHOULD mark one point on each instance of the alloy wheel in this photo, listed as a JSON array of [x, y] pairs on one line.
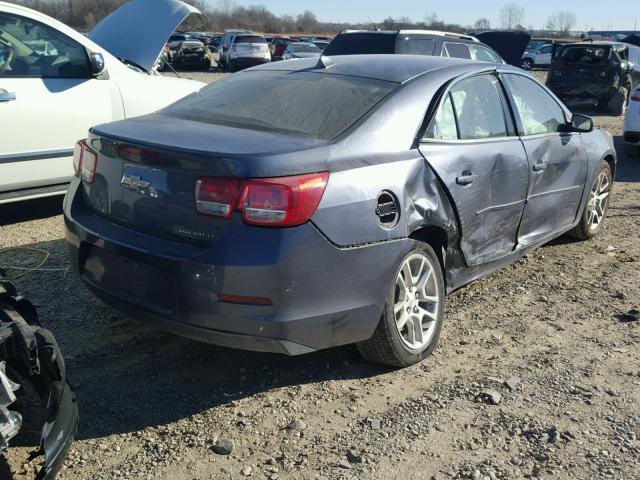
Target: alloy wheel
[[416, 301], [598, 201]]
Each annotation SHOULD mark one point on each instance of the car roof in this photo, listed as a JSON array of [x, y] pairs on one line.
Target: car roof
[[598, 43], [391, 68], [435, 33]]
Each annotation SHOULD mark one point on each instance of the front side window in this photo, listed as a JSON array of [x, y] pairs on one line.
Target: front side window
[[32, 49], [309, 104], [538, 112], [457, 50]]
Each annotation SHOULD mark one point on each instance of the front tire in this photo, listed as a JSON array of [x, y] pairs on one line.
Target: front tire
[[595, 210], [527, 64], [414, 309]]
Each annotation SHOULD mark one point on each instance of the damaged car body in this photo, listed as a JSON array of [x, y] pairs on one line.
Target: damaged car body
[[595, 74], [30, 351], [391, 181]]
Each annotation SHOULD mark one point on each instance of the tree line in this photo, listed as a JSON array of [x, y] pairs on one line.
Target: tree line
[[226, 14]]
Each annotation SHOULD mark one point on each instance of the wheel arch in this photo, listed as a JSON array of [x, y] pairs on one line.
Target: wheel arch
[[611, 161], [437, 238]]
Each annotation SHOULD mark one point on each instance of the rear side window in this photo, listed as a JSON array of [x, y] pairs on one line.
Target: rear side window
[[472, 111], [309, 104], [415, 45], [538, 112], [634, 56], [483, 54], [457, 50], [249, 39], [478, 108], [444, 124], [362, 44]]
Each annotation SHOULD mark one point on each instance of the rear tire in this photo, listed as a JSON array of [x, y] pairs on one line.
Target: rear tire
[[595, 210], [414, 309], [618, 102]]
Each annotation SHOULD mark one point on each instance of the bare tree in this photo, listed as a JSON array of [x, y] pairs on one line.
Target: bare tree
[[482, 24], [566, 21], [511, 16], [562, 21]]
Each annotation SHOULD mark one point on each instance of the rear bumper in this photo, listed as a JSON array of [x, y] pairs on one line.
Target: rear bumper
[[322, 296], [246, 62], [571, 91]]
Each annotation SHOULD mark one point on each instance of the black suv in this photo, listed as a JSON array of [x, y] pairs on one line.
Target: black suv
[[412, 42], [596, 74]]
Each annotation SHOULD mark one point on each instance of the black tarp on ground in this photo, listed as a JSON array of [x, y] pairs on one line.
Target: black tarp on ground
[[632, 39], [510, 44]]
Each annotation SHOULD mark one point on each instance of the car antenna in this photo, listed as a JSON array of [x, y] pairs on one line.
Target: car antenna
[[323, 62]]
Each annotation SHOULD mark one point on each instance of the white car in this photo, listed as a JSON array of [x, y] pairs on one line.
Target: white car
[[632, 123], [247, 50], [56, 83], [539, 57]]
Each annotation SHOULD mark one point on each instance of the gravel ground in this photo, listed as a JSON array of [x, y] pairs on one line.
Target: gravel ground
[[537, 376]]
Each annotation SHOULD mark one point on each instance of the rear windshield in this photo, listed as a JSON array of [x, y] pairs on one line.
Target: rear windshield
[[309, 104], [362, 44], [586, 55], [250, 39]]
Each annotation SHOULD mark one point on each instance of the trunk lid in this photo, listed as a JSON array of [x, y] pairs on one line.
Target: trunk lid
[[510, 44], [138, 30], [148, 184]]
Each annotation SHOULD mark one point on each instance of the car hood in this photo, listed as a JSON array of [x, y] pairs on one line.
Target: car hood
[[138, 31], [510, 44]]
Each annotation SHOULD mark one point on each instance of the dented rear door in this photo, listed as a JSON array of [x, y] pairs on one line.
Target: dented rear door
[[483, 167]]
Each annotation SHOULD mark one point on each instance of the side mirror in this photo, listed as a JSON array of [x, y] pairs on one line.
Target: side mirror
[[581, 123], [97, 64]]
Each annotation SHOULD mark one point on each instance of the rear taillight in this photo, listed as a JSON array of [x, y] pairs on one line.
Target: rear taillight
[[635, 96], [85, 161], [283, 201], [217, 196]]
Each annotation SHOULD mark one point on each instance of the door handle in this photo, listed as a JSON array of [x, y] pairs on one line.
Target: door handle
[[540, 166], [466, 178], [6, 96]]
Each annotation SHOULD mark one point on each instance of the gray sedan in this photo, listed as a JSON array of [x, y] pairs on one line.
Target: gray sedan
[[307, 204]]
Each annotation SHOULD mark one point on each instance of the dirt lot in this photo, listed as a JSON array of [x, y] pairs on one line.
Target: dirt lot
[[153, 405]]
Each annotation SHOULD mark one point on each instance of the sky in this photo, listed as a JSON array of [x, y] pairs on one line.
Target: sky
[[591, 14]]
